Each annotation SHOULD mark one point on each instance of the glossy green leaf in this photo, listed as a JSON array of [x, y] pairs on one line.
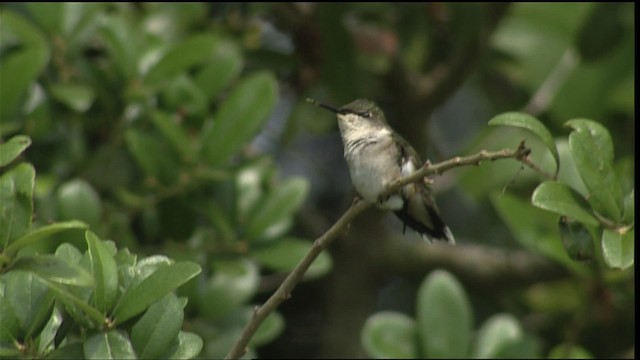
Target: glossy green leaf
[[189, 52], [153, 288], [219, 73], [70, 351], [48, 15], [153, 155], [121, 43], [534, 228], [54, 269], [77, 200], [232, 283], [577, 239], [68, 253], [182, 95], [390, 335], [563, 200], [47, 336], [42, 234], [20, 68], [445, 318], [30, 300], [618, 248], [152, 335], [495, 333], [239, 117], [277, 206], [285, 254], [111, 345], [73, 301], [16, 201], [189, 345], [569, 351], [532, 124], [270, 329], [10, 324], [569, 174], [105, 273], [592, 151], [10, 150], [78, 97], [174, 133]]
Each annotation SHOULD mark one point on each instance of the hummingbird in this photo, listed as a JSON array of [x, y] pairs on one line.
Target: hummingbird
[[376, 156]]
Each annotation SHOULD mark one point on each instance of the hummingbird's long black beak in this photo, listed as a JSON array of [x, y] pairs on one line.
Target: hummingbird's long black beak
[[319, 104]]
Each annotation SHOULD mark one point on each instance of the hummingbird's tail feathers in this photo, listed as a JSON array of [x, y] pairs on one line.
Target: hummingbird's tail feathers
[[431, 228]]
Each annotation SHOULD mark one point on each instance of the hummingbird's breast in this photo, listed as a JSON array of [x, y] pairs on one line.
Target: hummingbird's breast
[[373, 162]]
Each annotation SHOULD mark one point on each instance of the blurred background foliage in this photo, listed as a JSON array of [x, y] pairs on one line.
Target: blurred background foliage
[[181, 129]]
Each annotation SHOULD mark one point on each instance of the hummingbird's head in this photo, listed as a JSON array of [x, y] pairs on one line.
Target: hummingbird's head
[[357, 117]]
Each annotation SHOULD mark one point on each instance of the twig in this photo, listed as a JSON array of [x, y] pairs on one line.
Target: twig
[[284, 291]]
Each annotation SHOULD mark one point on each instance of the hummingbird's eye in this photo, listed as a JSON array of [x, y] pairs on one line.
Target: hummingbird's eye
[[366, 114]]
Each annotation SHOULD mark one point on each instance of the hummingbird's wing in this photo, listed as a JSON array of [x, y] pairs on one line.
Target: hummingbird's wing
[[419, 210]]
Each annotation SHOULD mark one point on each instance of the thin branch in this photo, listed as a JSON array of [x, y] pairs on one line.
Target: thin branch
[[284, 291]]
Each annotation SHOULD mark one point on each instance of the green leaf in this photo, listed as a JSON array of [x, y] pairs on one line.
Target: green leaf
[[189, 346], [277, 206], [189, 52], [20, 68], [239, 117], [569, 351], [16, 201], [153, 155], [495, 333], [31, 302], [618, 248], [54, 269], [534, 228], [121, 43], [218, 74], [73, 301], [232, 283], [532, 124], [444, 317], [576, 239], [77, 97], [174, 133], [70, 351], [10, 324], [48, 15], [592, 151], [157, 328], [77, 200], [105, 273], [46, 338], [42, 234], [283, 255], [111, 345], [563, 200], [10, 150], [390, 335], [153, 288]]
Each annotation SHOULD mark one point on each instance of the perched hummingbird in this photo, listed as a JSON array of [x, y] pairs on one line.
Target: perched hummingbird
[[376, 156]]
